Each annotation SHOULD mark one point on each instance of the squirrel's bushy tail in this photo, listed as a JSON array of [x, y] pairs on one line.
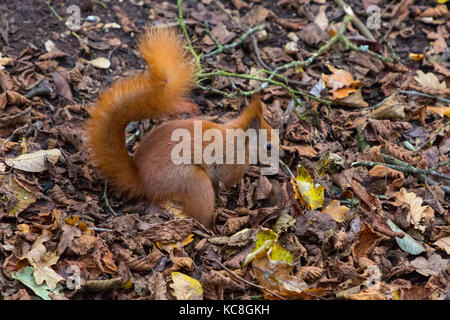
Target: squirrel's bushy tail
[[160, 89]]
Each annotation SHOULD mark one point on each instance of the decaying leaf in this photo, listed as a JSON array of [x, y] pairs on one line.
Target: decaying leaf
[[22, 197]]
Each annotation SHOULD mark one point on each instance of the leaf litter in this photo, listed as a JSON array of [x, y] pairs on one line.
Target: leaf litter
[[364, 217]]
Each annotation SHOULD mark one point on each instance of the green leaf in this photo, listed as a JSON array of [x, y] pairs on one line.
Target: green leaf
[[407, 244], [26, 277]]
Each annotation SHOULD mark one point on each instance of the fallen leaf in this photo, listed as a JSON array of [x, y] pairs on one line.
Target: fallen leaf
[[336, 211], [407, 243], [391, 109], [433, 265], [26, 277], [35, 161], [312, 195], [418, 215], [429, 80], [185, 287], [443, 243], [101, 63]]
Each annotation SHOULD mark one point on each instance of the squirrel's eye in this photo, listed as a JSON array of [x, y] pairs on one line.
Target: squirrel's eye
[[269, 146]]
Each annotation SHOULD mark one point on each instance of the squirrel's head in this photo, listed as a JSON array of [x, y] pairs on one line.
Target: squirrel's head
[[268, 137]]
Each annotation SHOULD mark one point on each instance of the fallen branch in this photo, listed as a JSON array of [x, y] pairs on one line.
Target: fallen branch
[[408, 169]]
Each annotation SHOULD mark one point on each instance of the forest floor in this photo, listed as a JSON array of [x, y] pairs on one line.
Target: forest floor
[[358, 210]]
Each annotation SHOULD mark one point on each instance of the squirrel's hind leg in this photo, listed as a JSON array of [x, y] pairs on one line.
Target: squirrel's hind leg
[[198, 197]]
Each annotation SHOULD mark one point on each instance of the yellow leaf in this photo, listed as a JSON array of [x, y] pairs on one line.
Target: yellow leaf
[[279, 253], [313, 196], [442, 111], [266, 243], [336, 211], [416, 56], [185, 287]]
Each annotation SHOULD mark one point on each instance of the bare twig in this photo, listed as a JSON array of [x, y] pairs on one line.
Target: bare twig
[[234, 44], [105, 197], [417, 93]]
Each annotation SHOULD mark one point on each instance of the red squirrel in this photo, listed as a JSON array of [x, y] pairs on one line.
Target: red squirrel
[[162, 89]]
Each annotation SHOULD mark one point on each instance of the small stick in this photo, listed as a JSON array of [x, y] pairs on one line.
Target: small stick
[[101, 229], [436, 201], [188, 40], [417, 93], [105, 196], [234, 44], [37, 92]]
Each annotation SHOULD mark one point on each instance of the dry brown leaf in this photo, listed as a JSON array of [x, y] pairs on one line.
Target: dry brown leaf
[[391, 109], [419, 216], [393, 176], [354, 100], [429, 80], [13, 98], [443, 243], [433, 265], [436, 12]]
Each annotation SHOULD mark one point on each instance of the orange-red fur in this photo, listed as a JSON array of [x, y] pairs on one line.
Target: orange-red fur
[[151, 173]]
